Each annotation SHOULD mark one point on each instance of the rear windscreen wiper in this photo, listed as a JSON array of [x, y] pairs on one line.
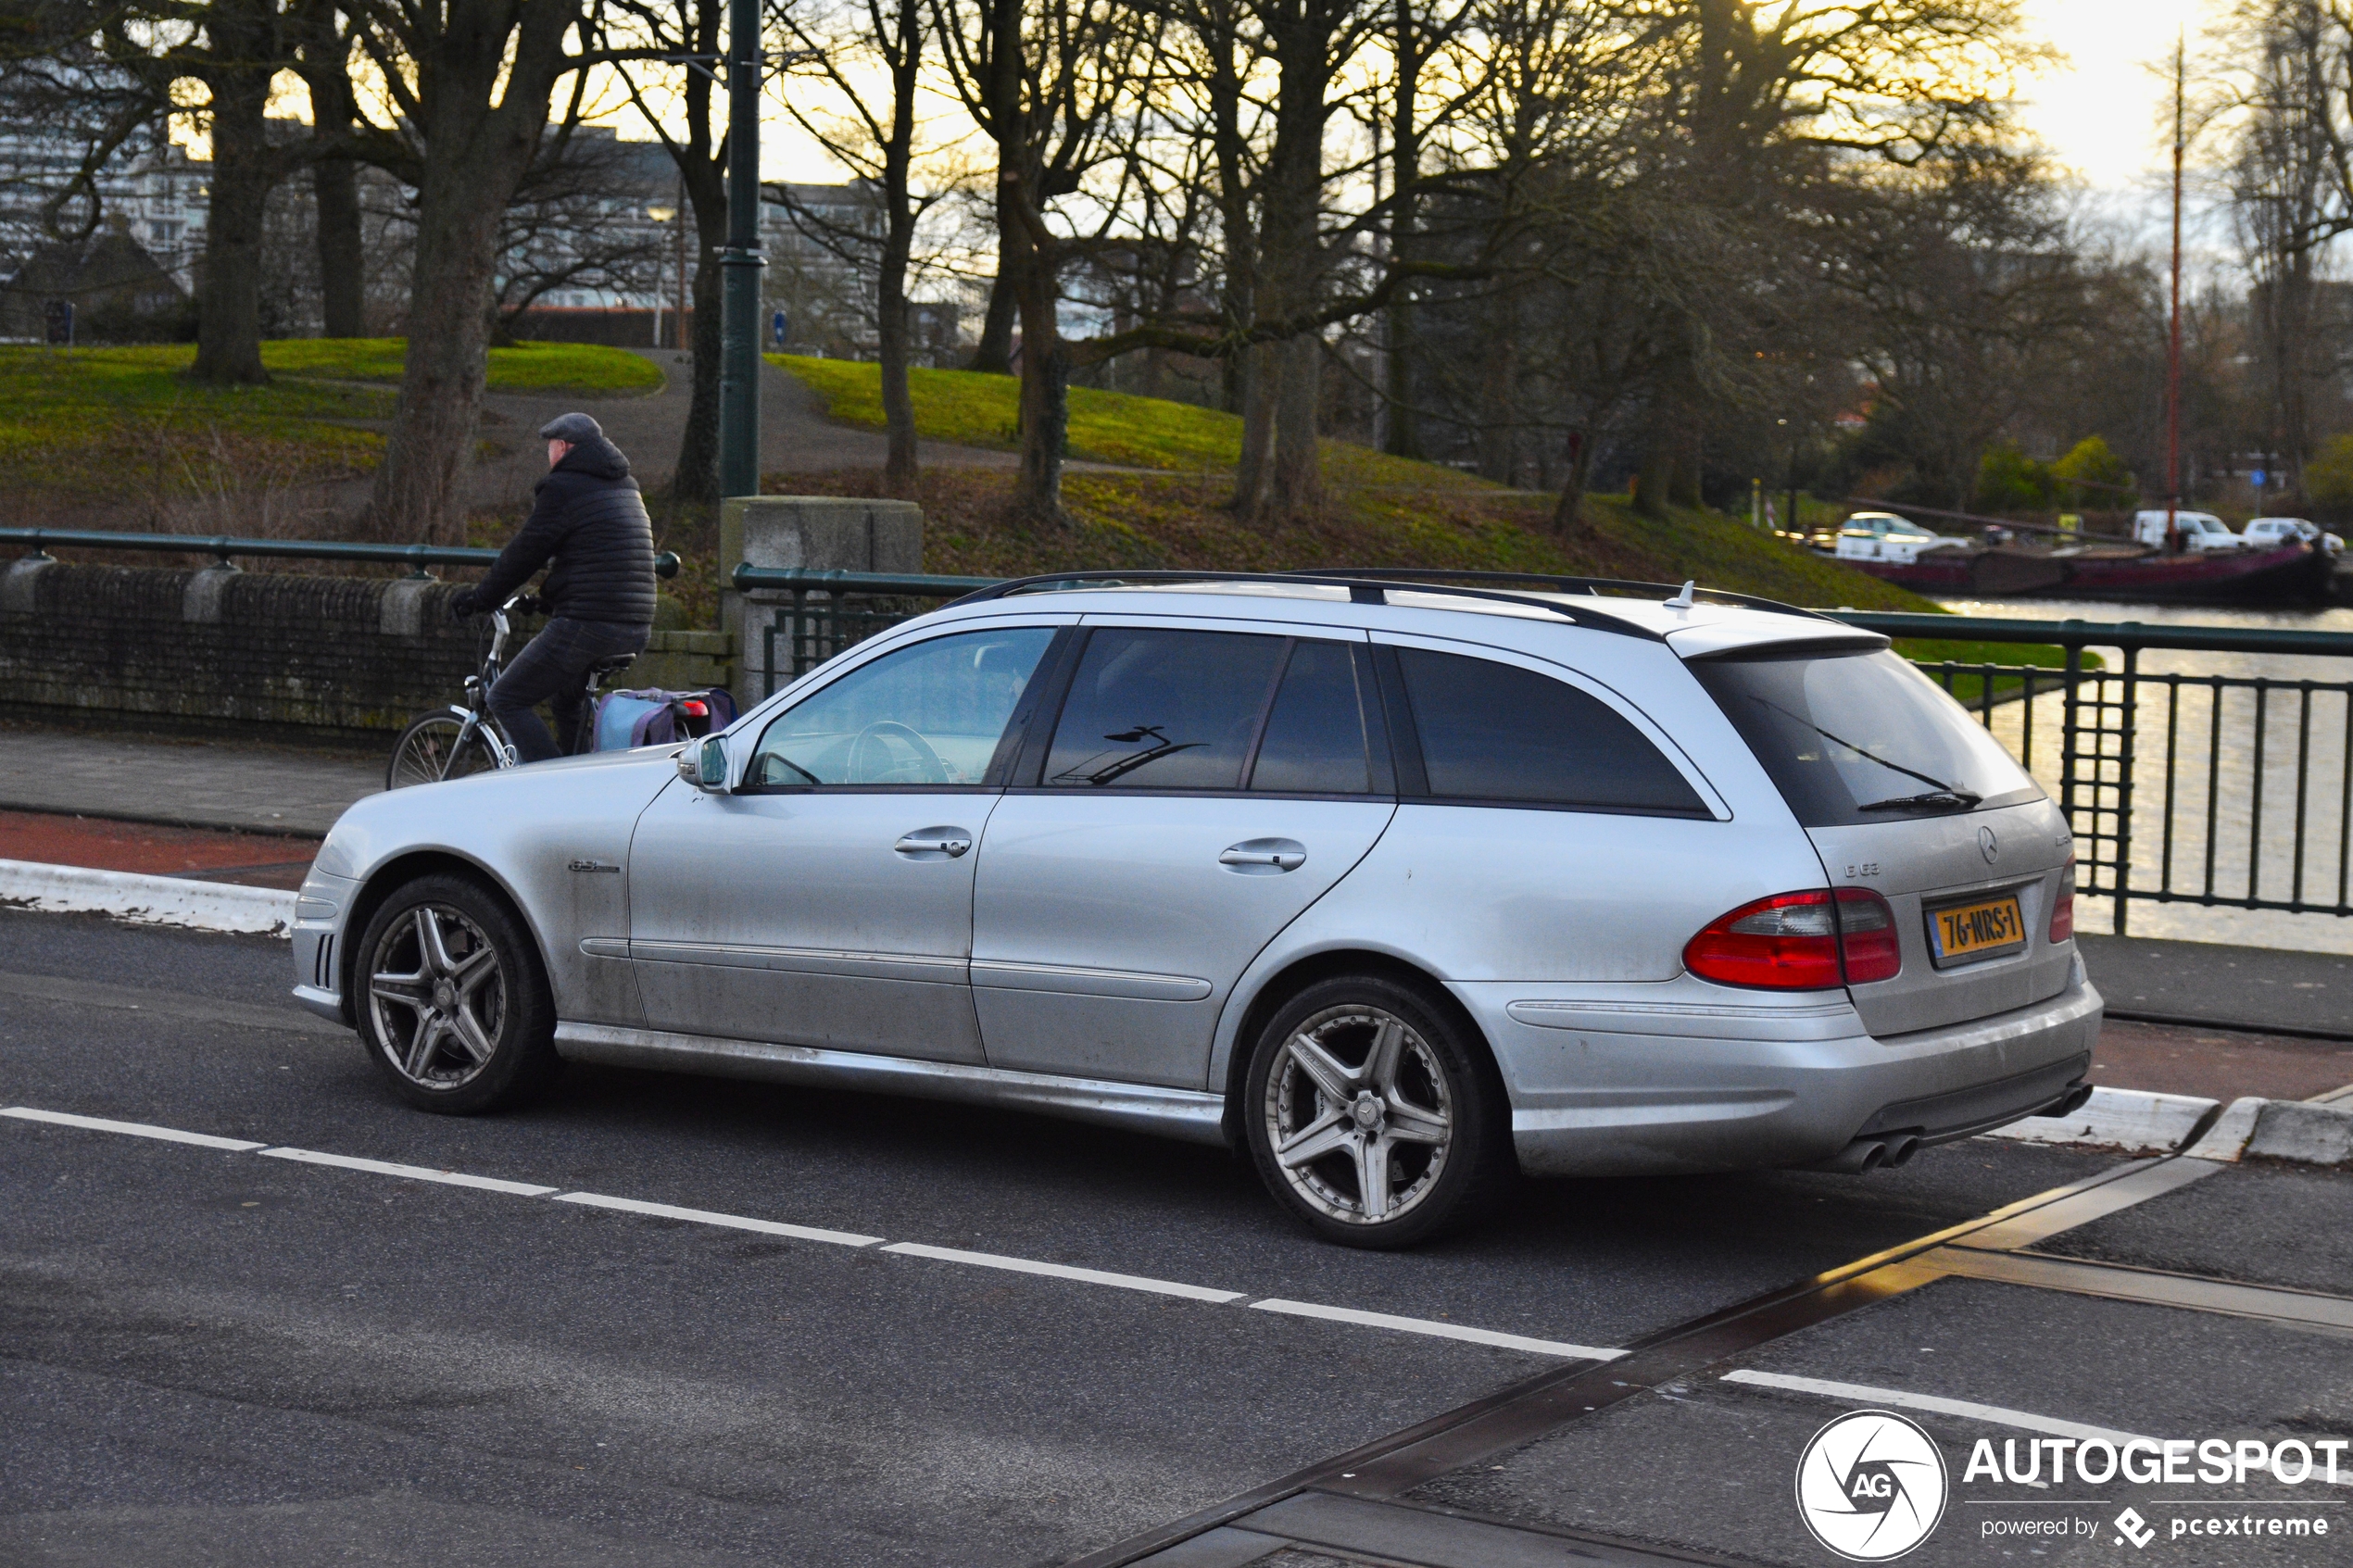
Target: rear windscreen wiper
[[1941, 800]]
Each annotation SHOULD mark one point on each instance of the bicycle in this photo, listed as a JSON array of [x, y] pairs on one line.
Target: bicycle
[[457, 741]]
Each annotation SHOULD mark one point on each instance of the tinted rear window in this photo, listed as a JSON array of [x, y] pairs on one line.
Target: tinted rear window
[[1314, 740], [1496, 732], [1861, 737]]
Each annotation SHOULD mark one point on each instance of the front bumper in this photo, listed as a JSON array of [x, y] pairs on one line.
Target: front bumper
[[321, 910], [1606, 1086]]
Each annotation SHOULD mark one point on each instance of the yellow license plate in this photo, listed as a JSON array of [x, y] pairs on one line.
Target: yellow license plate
[[1982, 930]]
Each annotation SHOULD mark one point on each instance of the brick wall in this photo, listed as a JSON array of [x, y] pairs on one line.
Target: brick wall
[[333, 657]]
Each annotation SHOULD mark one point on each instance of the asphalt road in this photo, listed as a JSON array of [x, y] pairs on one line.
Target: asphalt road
[[216, 1356]]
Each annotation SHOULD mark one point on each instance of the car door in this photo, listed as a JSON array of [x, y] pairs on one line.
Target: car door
[[826, 899], [1197, 790]]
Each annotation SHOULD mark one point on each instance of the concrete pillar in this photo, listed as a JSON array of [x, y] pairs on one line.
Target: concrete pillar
[[819, 532]]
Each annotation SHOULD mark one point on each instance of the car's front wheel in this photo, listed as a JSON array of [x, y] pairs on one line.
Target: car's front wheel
[[453, 1005], [1372, 1117]]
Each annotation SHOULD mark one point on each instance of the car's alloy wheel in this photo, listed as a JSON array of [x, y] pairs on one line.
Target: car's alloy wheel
[[1368, 1115], [438, 996], [453, 1006]]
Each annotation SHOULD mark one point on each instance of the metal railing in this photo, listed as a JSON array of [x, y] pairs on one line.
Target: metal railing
[[2222, 789], [225, 547]]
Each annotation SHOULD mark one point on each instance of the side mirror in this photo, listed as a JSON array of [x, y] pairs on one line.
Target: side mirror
[[704, 764]]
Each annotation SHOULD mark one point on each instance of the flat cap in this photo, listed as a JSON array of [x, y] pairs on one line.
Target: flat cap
[[574, 428]]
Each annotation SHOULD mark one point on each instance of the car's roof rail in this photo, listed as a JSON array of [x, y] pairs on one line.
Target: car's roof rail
[[1365, 587], [1570, 584]]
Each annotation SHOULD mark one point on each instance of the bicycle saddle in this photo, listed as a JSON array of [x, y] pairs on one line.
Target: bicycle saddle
[[613, 664]]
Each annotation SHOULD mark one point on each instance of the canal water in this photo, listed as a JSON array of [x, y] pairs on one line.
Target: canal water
[[2221, 824]]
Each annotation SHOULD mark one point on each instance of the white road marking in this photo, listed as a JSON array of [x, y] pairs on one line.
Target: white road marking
[[1063, 1271], [414, 1173], [705, 1217], [1437, 1329], [1859, 1393], [1429, 1326], [129, 1129]]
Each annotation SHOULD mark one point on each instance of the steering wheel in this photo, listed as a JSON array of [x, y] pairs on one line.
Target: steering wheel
[[935, 770]]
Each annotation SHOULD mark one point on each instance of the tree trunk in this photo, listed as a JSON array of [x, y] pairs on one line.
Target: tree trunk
[[343, 282], [898, 406], [698, 476], [1405, 140], [421, 489], [1299, 470], [1045, 390], [485, 85], [228, 295], [898, 241], [697, 479], [1655, 477], [1570, 513], [1255, 474], [994, 354]]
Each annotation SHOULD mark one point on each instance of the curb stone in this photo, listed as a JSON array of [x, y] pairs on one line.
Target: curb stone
[[2142, 1121], [147, 900]]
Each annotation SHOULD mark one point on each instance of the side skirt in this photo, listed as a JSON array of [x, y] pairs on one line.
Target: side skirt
[[1176, 1113]]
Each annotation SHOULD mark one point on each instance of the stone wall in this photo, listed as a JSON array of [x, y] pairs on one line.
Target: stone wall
[[327, 657]]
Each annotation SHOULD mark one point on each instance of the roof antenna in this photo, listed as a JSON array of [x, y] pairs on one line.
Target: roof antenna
[[1684, 599]]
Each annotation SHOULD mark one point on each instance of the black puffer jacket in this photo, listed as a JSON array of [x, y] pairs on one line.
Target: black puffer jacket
[[590, 520]]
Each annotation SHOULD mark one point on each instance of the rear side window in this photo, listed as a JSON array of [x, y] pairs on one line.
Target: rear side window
[[1498, 733], [1862, 737], [1163, 709], [1314, 740]]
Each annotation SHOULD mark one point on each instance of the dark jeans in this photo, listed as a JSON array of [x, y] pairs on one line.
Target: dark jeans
[[554, 670]]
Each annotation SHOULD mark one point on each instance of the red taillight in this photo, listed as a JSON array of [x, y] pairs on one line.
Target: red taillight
[[697, 710], [2063, 906], [1867, 935], [1793, 941]]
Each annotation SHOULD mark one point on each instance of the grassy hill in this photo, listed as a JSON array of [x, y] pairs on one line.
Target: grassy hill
[[94, 425], [1382, 510]]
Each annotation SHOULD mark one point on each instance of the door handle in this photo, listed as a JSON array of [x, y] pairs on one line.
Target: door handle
[[1262, 857], [926, 843]]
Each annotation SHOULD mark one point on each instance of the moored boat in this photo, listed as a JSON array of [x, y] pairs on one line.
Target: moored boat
[[2291, 573]]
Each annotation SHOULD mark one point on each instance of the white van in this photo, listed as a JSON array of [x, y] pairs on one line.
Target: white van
[[2200, 531]]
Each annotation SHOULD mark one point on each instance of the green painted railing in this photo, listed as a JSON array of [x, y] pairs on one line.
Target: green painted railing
[[226, 548]]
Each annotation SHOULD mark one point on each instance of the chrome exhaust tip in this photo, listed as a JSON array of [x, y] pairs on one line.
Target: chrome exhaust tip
[[1856, 1158]]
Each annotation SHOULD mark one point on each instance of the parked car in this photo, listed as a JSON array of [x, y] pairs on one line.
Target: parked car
[[1885, 536], [2200, 531], [2270, 532], [1403, 888]]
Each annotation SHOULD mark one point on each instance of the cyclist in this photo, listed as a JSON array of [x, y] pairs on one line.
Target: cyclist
[[589, 520]]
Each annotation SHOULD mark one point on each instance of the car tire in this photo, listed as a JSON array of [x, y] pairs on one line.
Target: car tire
[[1374, 1118], [451, 999]]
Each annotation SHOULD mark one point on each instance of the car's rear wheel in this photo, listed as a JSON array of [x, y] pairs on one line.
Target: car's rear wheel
[[1373, 1117], [453, 1005]]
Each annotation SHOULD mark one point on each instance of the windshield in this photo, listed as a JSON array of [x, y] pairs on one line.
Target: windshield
[[1862, 737]]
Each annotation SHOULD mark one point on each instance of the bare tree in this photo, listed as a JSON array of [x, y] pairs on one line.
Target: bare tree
[[871, 54], [468, 87], [1042, 79]]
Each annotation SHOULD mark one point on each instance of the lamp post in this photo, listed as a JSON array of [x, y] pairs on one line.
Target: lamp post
[[740, 263]]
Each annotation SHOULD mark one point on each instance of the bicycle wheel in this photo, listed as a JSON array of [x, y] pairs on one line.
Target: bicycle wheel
[[428, 751]]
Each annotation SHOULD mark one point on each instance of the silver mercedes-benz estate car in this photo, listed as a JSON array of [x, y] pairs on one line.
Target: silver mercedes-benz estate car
[[1403, 886]]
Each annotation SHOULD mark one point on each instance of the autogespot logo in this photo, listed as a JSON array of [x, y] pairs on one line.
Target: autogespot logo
[[1870, 1486]]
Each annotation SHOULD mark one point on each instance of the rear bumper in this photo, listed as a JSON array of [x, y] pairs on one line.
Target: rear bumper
[[1776, 1083]]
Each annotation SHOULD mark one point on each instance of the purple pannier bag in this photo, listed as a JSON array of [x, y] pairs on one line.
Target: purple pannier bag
[[654, 717]]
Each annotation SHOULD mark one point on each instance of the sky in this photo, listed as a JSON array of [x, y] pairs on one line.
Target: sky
[[2103, 112]]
